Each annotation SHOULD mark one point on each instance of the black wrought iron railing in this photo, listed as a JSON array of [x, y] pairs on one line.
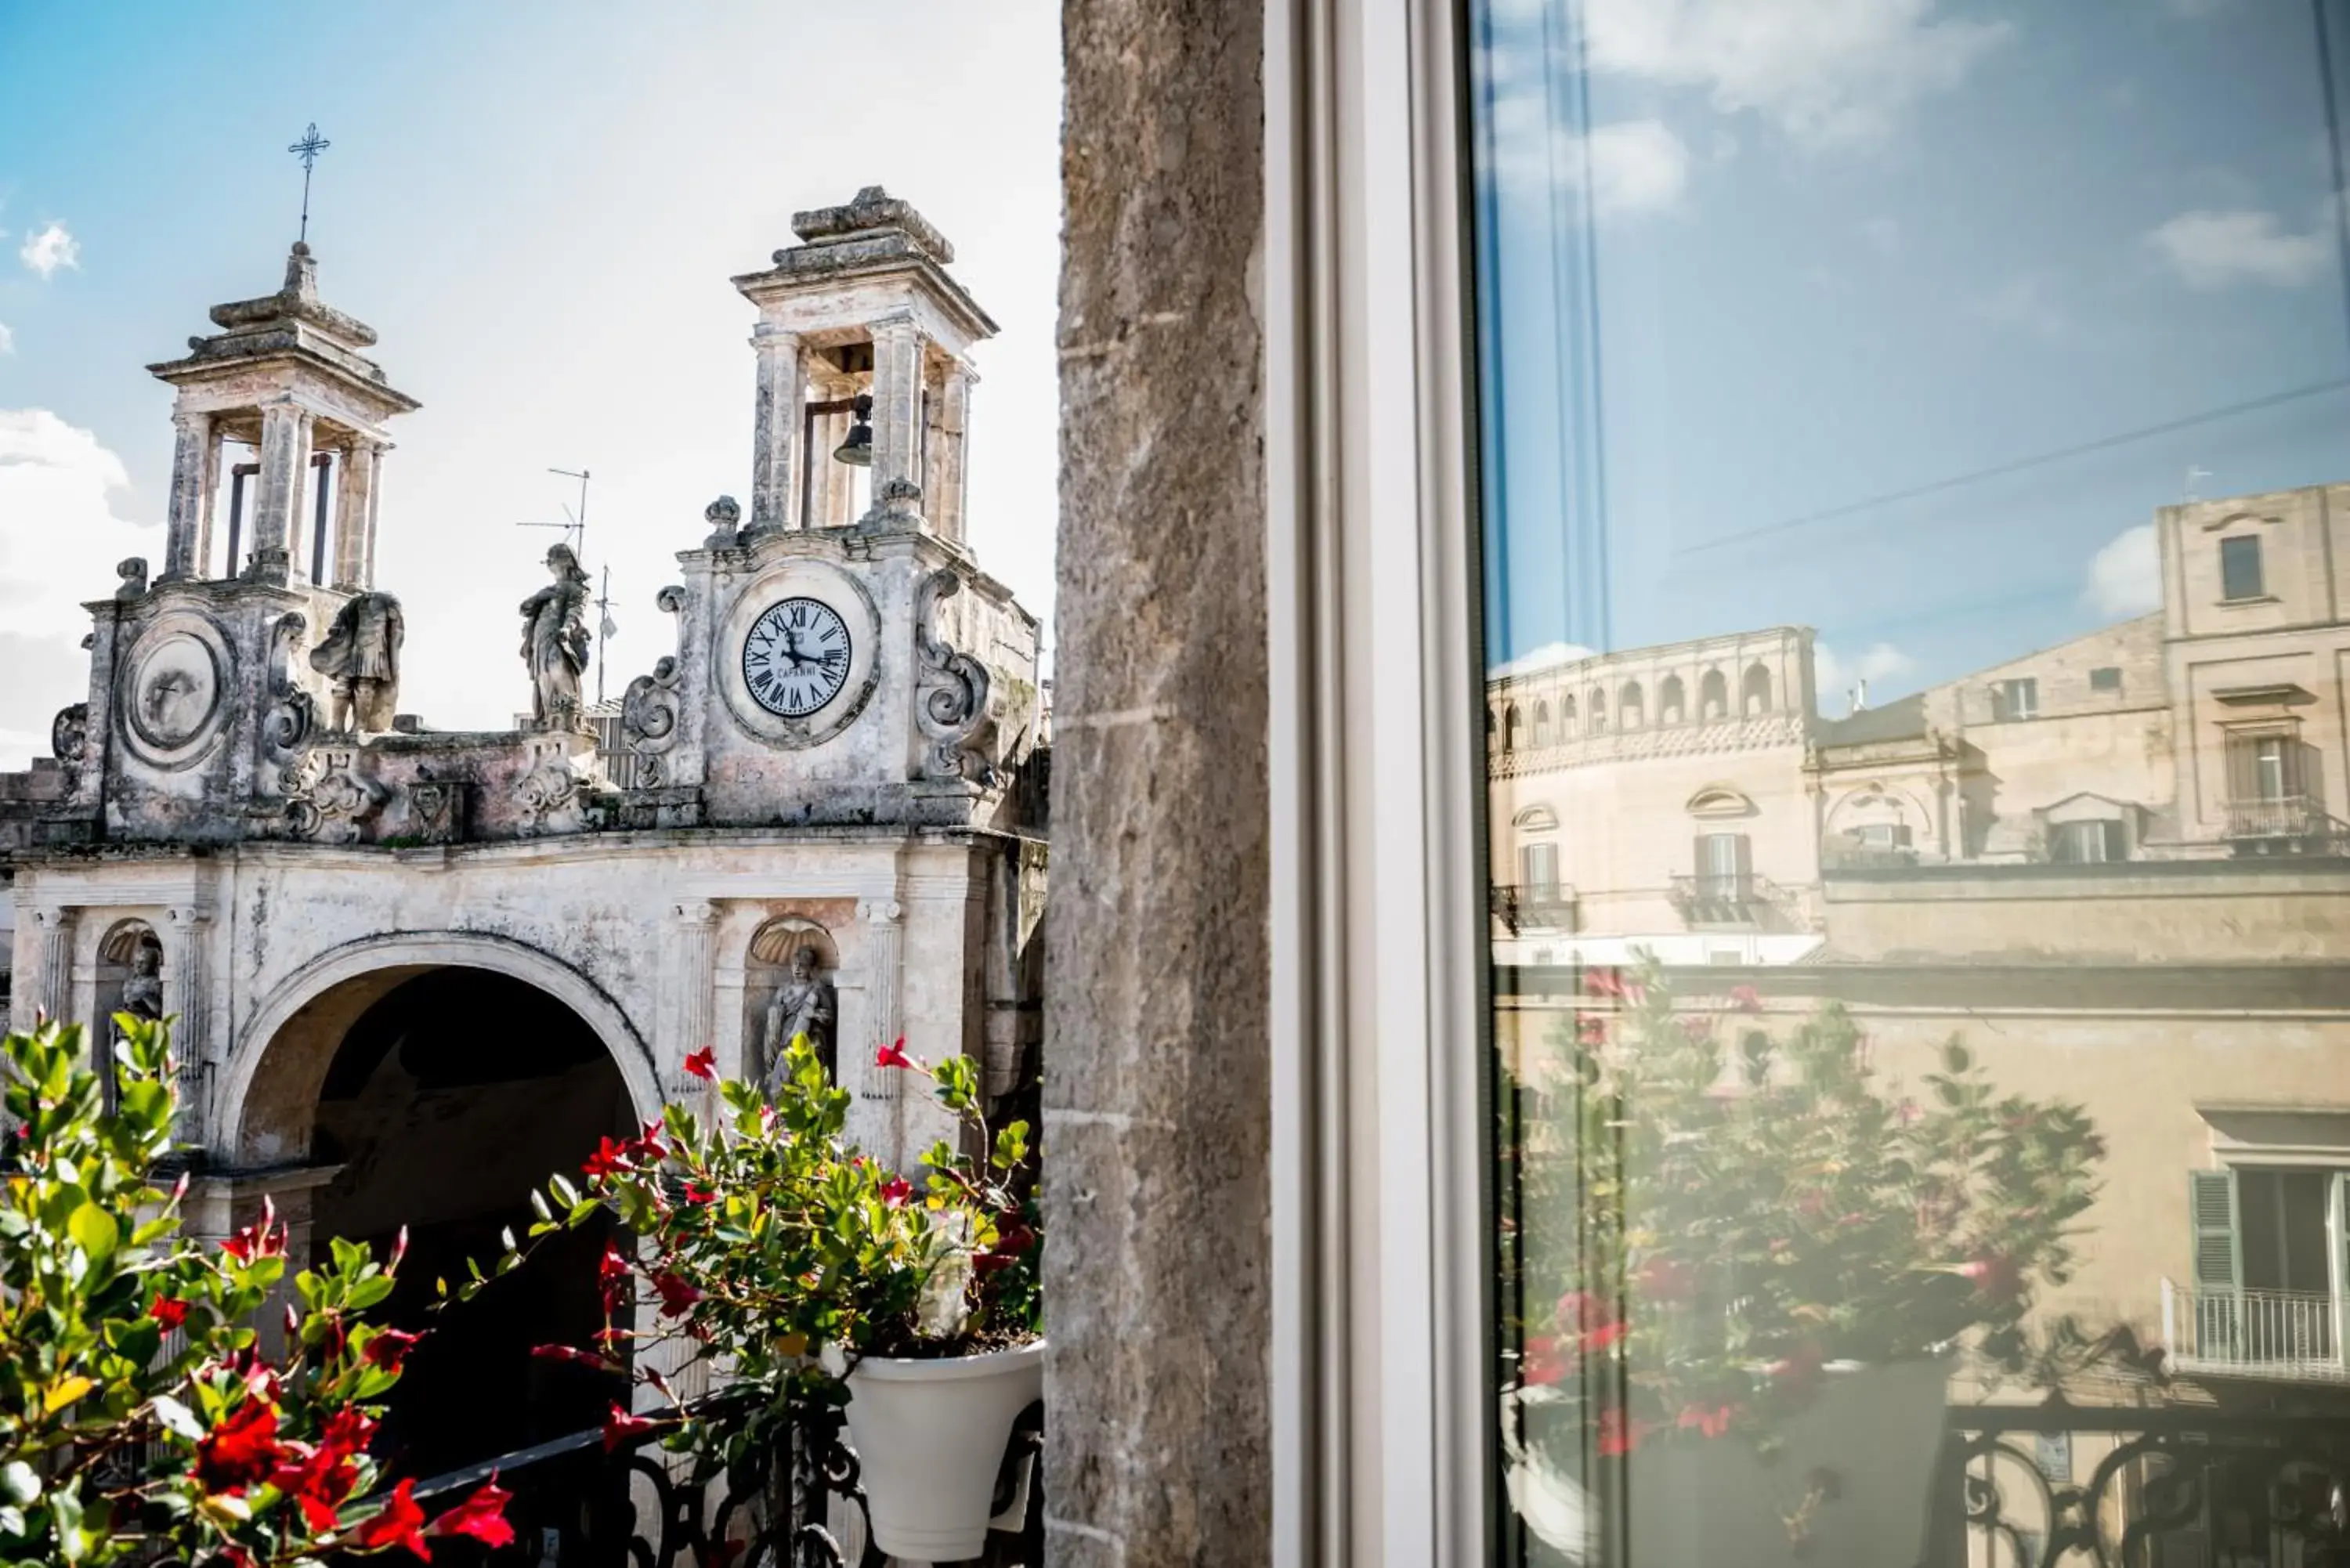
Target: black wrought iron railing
[[1534, 906]]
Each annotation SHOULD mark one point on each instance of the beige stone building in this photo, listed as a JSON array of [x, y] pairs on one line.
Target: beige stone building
[[2117, 867]]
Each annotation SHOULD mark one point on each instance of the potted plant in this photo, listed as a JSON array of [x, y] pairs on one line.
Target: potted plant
[[803, 1270], [141, 1417], [1745, 1264]]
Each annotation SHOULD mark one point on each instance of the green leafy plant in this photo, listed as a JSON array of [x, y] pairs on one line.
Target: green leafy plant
[[1714, 1216], [766, 1244], [139, 1414]]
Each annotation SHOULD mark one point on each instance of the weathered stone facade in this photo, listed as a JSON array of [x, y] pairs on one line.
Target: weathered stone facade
[[654, 880]]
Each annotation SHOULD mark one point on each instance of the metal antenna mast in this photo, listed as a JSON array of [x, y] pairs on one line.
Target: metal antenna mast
[[575, 529], [307, 151]]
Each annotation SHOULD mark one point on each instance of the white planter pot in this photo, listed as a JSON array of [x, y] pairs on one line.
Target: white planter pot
[[1876, 1430], [930, 1437]]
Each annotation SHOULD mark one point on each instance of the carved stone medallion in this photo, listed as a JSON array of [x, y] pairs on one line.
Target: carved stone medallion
[[170, 697]]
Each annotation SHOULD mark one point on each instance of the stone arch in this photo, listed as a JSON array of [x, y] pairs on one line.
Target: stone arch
[[1713, 696], [1754, 691], [1513, 728], [1631, 709], [1595, 706], [1566, 715], [269, 1091], [1673, 700], [1542, 724]]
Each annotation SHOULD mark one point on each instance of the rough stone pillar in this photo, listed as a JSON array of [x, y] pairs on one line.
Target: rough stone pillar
[[697, 988], [186, 1003], [943, 484], [285, 465], [191, 468], [52, 974], [897, 401], [355, 516], [776, 418], [1157, 1106], [877, 1114]]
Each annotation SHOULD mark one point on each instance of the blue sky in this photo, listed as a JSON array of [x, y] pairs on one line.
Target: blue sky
[[1844, 251], [537, 207]]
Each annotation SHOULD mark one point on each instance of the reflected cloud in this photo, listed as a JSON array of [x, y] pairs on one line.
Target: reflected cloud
[[1835, 680], [2218, 250], [1630, 166], [2125, 576]]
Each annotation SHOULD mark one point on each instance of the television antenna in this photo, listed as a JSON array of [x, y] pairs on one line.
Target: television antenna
[[575, 532]]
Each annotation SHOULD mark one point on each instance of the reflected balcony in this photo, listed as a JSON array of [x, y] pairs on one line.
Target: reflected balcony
[[2293, 1337], [1523, 908], [1730, 900]]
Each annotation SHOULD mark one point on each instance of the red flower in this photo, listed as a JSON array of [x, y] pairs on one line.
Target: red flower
[[612, 1277], [1996, 1277], [699, 1195], [893, 1055], [704, 1062], [608, 1157], [348, 1429], [399, 1523], [1705, 1422], [264, 1238], [241, 1451], [398, 1251], [1617, 1437], [619, 1426], [389, 1348], [1746, 999], [168, 1312], [1590, 1029], [1545, 1359], [572, 1353], [481, 1516], [318, 1481], [677, 1295], [897, 1192]]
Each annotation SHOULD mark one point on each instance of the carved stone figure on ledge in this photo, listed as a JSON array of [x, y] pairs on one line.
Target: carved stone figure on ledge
[[554, 642], [361, 657], [142, 989], [805, 1003]]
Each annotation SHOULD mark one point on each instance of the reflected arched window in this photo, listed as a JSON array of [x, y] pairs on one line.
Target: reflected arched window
[[1513, 728], [1629, 710], [1595, 704], [1566, 716], [1713, 696], [1670, 702], [1541, 724], [1754, 690]]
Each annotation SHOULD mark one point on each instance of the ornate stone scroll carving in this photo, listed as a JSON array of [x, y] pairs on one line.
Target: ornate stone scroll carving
[[69, 735], [132, 570], [286, 726], [436, 811], [331, 797], [951, 702], [553, 794], [724, 516]]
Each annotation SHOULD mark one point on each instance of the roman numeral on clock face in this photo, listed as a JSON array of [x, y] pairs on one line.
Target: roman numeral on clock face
[[797, 657]]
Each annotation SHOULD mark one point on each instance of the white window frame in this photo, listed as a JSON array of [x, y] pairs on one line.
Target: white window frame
[[1382, 1310]]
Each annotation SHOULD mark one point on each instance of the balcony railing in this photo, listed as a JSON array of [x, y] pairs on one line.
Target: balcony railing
[[1727, 899], [1534, 906], [2278, 817], [2289, 1335]]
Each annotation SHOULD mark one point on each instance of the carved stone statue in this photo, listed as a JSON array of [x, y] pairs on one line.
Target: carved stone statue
[[142, 989], [361, 657], [554, 642], [805, 1003]]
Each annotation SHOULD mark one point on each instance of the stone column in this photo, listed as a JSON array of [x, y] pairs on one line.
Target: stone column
[[53, 973], [186, 1002], [285, 465], [943, 486], [355, 515], [369, 524], [697, 986], [191, 468], [878, 1116], [897, 401], [777, 417]]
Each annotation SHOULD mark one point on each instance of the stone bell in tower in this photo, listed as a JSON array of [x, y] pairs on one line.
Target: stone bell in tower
[[863, 348]]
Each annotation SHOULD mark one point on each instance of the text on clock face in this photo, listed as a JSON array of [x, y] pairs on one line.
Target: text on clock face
[[796, 659]]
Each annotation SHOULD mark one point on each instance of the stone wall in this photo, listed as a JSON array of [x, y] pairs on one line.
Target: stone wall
[[1156, 1107]]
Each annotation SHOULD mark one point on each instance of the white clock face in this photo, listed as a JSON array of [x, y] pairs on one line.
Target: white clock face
[[795, 657]]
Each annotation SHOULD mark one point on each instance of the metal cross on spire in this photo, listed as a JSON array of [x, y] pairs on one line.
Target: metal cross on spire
[[307, 151]]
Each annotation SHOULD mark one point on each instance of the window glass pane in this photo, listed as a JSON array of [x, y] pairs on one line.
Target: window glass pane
[[1915, 438]]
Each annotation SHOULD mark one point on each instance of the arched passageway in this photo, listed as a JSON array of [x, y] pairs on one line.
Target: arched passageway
[[449, 1098]]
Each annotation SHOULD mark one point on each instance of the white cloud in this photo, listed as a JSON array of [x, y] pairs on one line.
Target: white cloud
[[2213, 250], [2125, 576], [1549, 656], [1633, 166], [1824, 71], [1834, 678], [2026, 303], [7, 340], [51, 248]]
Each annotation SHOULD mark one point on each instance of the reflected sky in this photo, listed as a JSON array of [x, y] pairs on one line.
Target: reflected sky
[[1896, 320]]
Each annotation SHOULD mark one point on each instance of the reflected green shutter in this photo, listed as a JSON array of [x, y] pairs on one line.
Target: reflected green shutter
[[2218, 1249]]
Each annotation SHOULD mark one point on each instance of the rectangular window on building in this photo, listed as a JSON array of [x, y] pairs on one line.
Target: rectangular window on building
[[2240, 568], [1745, 412], [1538, 869]]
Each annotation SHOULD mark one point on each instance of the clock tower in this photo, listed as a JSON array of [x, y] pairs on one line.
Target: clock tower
[[841, 659]]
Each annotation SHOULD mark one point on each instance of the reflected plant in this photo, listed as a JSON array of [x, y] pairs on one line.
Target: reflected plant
[[1717, 1215]]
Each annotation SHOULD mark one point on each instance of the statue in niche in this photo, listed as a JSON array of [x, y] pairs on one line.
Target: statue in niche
[[805, 1003], [361, 657], [142, 988], [554, 642]]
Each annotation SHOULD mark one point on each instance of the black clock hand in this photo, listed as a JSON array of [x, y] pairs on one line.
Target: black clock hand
[[791, 648]]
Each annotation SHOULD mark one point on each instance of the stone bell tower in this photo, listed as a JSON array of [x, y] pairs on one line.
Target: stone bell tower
[[860, 322]]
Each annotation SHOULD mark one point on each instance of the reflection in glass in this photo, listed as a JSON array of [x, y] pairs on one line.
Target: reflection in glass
[[1916, 453]]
